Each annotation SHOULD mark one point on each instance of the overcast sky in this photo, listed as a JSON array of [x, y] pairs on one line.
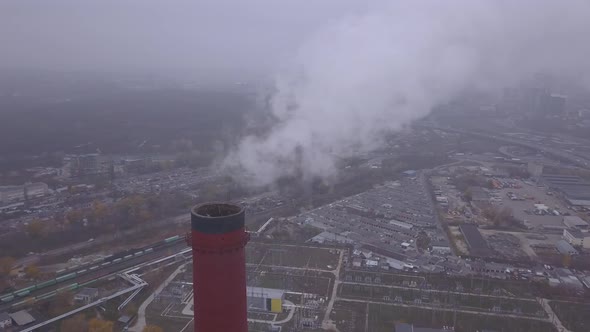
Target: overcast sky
[[160, 35]]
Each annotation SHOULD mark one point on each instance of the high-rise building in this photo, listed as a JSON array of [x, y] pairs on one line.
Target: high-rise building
[[553, 104]]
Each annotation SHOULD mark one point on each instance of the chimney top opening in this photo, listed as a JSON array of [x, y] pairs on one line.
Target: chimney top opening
[[216, 210]]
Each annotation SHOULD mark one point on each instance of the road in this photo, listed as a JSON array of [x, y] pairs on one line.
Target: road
[[141, 322], [474, 312], [552, 316], [437, 291], [326, 322]]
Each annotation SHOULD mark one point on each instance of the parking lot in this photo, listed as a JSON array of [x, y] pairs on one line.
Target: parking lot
[[383, 218]]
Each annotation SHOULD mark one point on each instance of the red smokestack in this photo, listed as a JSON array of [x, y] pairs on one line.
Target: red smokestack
[[219, 267]]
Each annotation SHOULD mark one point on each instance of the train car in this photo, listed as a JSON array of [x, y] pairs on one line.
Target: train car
[[172, 239], [128, 256], [139, 253], [25, 290], [7, 298], [149, 250], [22, 293], [46, 283], [66, 277], [117, 260], [81, 272], [93, 268], [105, 263]]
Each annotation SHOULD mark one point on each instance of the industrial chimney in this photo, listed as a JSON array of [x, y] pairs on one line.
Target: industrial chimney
[[219, 267]]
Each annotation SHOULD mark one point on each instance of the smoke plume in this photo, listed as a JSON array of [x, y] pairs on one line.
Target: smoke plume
[[364, 75]]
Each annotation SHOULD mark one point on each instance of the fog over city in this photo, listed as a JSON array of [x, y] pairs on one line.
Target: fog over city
[[366, 74], [344, 72], [158, 36], [295, 165]]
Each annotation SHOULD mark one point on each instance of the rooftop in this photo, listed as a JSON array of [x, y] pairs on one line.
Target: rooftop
[[22, 317], [564, 247], [575, 221], [577, 233], [265, 292], [477, 244]]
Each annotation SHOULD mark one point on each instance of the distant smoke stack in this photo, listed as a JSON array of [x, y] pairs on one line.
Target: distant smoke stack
[[219, 267]]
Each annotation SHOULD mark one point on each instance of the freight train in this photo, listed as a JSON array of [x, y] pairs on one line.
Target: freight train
[[81, 270]]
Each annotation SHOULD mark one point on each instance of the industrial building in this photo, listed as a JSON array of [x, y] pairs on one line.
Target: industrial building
[[266, 299], [577, 238], [574, 189]]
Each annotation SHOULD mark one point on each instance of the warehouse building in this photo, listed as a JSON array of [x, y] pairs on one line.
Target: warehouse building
[[266, 299], [475, 241], [574, 189], [575, 222]]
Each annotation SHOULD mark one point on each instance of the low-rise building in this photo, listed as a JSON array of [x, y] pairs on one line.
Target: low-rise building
[[125, 320], [266, 299], [577, 238], [575, 222], [22, 318], [440, 247], [87, 295], [34, 190], [371, 263], [357, 262], [9, 194], [565, 248]]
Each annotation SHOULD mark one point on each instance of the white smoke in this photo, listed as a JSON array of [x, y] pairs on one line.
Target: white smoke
[[364, 75]]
